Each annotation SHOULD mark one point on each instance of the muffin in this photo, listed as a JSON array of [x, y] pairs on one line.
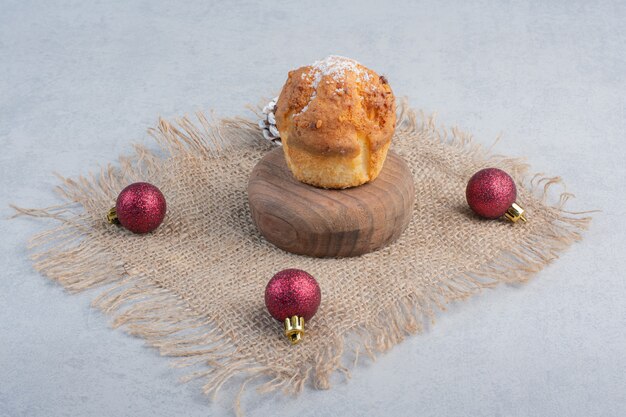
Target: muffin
[[336, 119]]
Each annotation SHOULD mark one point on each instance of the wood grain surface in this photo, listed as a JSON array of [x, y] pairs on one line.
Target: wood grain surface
[[307, 220]]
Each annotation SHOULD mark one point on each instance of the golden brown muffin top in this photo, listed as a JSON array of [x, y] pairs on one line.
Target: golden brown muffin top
[[325, 107]]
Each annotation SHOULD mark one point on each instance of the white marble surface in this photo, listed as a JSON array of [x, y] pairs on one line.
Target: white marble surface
[[80, 80]]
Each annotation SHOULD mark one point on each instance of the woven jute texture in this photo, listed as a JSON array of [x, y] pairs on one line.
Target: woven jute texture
[[194, 288]]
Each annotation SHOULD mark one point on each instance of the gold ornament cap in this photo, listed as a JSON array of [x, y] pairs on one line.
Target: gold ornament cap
[[294, 329], [515, 213], [112, 216]]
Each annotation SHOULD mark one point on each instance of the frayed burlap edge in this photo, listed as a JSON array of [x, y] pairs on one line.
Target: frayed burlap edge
[[143, 308]]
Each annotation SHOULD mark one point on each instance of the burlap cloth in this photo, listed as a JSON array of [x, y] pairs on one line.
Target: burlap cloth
[[194, 288]]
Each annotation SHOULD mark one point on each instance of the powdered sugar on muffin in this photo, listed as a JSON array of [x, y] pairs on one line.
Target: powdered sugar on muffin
[[335, 68]]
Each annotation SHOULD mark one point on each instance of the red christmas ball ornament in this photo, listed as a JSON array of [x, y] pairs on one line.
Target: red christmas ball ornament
[[491, 193], [292, 296], [140, 208]]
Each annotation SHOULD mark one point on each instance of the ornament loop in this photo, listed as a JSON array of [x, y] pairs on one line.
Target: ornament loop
[[515, 213], [294, 329]]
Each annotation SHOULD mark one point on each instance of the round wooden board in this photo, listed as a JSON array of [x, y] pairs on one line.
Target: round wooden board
[[307, 220]]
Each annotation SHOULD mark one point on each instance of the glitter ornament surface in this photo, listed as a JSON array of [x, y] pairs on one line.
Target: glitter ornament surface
[[490, 192], [292, 292], [140, 207]]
